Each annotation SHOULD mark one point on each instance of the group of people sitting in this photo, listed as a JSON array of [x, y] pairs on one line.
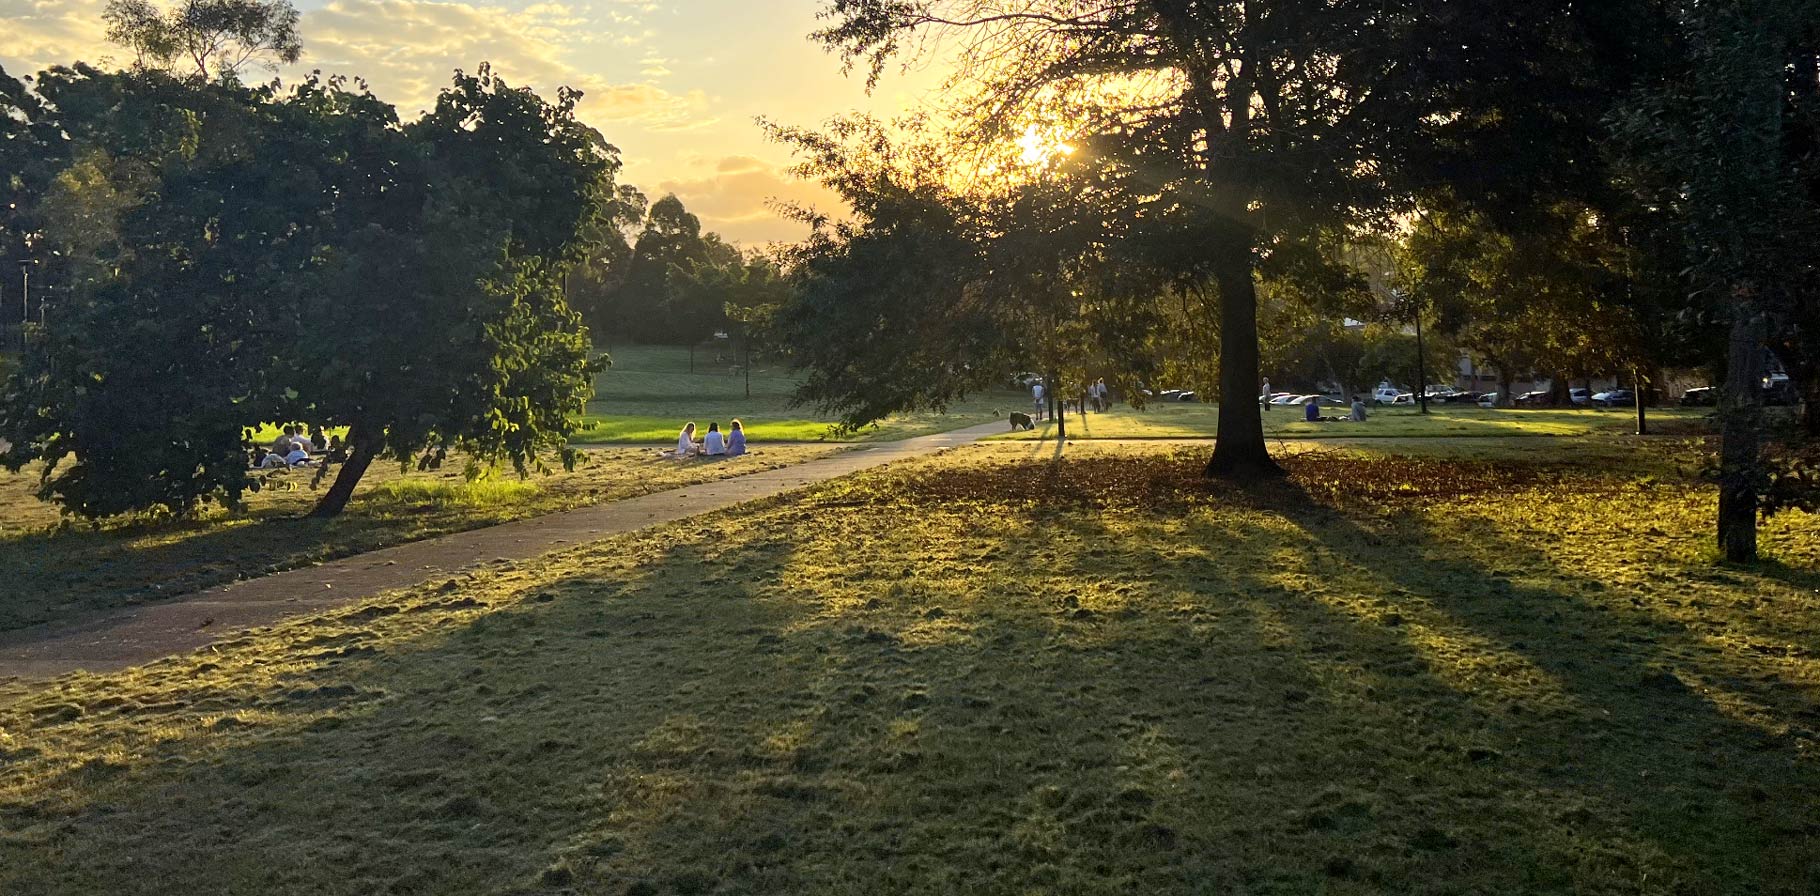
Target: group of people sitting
[[714, 443], [294, 447], [1311, 411]]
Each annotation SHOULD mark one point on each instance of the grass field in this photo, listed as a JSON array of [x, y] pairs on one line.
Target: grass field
[[985, 675], [1177, 420], [649, 393], [56, 569]]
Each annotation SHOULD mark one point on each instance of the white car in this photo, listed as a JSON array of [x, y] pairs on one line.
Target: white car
[[1386, 394], [1488, 400]]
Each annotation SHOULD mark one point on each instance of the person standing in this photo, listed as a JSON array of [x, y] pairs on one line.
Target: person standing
[[1099, 395], [1264, 395], [1036, 398]]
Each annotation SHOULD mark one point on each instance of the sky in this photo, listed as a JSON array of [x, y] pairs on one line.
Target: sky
[[675, 85]]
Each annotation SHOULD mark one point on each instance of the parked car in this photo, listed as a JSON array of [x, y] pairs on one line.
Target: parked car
[[1579, 396], [1404, 398], [1536, 399], [1488, 400], [1701, 397], [1386, 394], [1284, 399], [1187, 395], [1615, 398]]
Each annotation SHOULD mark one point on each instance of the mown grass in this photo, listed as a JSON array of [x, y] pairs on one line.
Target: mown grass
[[981, 674], [1178, 420], [56, 569], [649, 393]]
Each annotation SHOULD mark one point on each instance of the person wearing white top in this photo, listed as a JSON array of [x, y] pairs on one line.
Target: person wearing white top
[[685, 442], [1036, 397], [714, 443]]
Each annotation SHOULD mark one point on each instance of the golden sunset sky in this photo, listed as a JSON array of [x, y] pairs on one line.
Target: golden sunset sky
[[675, 85]]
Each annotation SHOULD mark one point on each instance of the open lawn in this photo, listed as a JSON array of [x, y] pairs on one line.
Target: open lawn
[[982, 674], [649, 393], [53, 569], [1179, 420]]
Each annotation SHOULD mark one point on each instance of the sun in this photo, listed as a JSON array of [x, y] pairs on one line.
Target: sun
[[1041, 148]]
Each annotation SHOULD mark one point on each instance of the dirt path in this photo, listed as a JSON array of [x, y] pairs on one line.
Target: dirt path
[[137, 635]]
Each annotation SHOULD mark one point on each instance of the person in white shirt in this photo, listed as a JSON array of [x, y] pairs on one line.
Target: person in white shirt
[[714, 443], [1036, 398], [685, 442]]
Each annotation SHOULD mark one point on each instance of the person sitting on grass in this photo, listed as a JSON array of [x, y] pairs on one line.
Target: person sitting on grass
[[685, 442], [1311, 409], [714, 444], [284, 443], [736, 439], [1358, 409]]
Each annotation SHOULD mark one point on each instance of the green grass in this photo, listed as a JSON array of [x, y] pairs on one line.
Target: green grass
[[983, 674], [649, 393], [55, 569], [1176, 420]]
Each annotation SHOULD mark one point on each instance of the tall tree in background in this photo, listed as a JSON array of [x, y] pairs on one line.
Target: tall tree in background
[[1255, 122], [205, 39]]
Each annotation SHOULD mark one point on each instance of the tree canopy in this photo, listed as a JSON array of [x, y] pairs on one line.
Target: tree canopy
[[265, 254]]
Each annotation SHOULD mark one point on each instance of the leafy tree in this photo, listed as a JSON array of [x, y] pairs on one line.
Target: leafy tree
[[750, 292], [1710, 147], [300, 255], [886, 315], [1556, 295], [649, 304], [479, 352], [205, 39], [1248, 124]]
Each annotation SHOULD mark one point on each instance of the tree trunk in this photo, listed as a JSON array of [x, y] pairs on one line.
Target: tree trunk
[[1810, 407], [1740, 438], [1238, 449], [1058, 409], [336, 500]]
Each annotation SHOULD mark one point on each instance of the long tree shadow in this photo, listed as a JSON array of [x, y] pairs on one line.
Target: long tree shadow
[[1649, 723], [893, 693]]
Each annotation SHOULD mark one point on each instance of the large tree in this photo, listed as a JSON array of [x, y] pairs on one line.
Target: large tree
[[297, 254], [1251, 123], [205, 39], [1718, 147]]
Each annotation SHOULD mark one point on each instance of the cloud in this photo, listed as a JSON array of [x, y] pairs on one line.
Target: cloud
[[42, 33], [407, 50], [735, 196]]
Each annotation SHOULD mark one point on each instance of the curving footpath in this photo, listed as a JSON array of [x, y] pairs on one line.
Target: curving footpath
[[124, 638]]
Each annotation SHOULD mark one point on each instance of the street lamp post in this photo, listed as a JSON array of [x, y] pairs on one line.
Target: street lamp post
[[1421, 365]]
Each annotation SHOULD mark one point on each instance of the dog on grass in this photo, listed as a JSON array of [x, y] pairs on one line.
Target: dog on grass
[[1021, 421]]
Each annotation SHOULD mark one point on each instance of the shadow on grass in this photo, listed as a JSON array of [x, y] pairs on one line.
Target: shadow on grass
[[1260, 694]]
